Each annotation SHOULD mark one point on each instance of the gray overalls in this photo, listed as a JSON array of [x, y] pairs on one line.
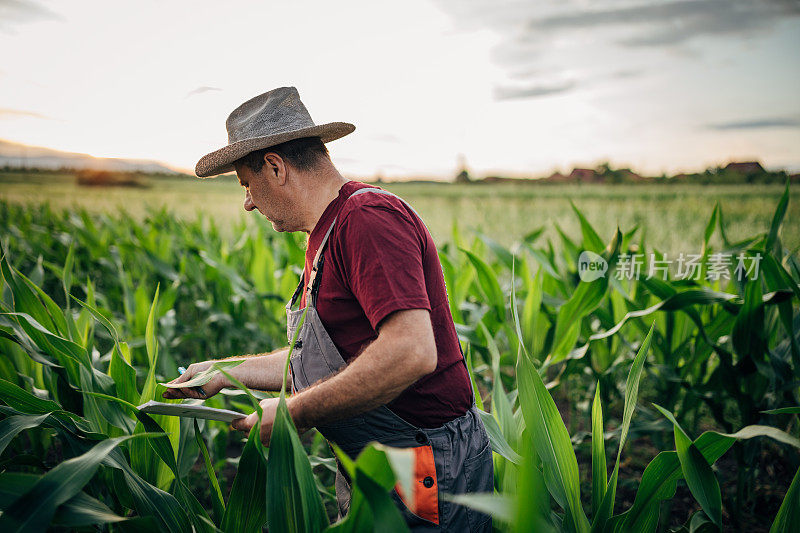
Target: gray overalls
[[454, 458]]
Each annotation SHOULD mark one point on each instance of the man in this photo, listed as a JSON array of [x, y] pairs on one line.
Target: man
[[377, 357]]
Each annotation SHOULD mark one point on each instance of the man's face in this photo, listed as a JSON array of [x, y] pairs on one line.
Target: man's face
[[263, 193], [253, 185]]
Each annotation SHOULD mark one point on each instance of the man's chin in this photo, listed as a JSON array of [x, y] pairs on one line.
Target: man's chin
[[278, 226]]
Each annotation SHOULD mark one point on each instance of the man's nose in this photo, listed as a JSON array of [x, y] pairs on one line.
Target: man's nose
[[248, 202]]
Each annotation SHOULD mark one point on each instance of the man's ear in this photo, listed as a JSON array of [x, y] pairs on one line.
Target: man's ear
[[276, 166]]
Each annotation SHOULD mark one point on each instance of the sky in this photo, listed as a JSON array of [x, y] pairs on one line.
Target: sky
[[508, 87]]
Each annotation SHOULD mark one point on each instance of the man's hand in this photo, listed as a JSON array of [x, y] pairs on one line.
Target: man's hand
[[211, 388], [269, 408]]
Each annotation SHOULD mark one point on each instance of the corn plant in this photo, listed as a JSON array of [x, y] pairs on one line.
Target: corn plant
[[96, 311], [101, 478]]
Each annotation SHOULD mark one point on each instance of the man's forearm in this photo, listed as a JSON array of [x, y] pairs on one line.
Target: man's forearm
[[374, 378], [261, 372]]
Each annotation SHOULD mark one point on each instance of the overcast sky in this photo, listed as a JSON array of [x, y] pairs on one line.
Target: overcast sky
[[517, 87]]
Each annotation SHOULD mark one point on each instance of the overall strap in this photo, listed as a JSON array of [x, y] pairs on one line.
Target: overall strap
[[313, 279]]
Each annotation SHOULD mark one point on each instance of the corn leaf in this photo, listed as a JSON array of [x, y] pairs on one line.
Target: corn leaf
[[80, 510], [599, 472], [606, 508], [34, 509], [246, 511], [552, 444], [217, 501], [13, 425], [698, 474], [789, 513], [293, 501]]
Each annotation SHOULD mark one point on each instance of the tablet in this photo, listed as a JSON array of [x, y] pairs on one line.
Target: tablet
[[189, 411]]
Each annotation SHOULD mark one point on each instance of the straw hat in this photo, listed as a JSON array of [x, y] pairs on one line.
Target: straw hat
[[271, 118]]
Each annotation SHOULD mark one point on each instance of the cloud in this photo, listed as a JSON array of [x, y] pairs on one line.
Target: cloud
[[667, 23], [14, 12], [537, 32], [17, 113], [534, 91], [756, 124], [544, 40], [201, 90], [385, 138], [625, 74]]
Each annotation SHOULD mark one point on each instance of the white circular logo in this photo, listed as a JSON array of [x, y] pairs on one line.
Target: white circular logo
[[591, 266]]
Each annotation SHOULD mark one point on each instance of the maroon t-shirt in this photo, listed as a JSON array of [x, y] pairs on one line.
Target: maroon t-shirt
[[381, 258]]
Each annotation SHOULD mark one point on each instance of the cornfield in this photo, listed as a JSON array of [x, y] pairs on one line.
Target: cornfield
[[702, 374]]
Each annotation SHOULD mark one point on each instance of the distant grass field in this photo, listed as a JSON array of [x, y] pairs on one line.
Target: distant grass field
[[671, 217]]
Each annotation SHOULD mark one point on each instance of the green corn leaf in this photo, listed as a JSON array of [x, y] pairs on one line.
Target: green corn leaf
[[591, 240], [698, 474], [100, 317], [201, 378], [584, 300], [80, 510], [532, 501], [533, 322], [217, 500], [374, 478], [63, 349], [777, 220], [25, 301], [363, 513], [502, 253], [124, 376], [661, 475], [293, 501], [515, 315], [143, 458], [162, 446], [246, 511], [24, 401], [748, 333], [55, 313], [490, 287], [498, 442], [13, 425], [552, 444], [151, 501], [789, 513], [151, 343], [120, 401], [66, 279], [359, 517], [34, 509], [160, 443], [402, 462], [599, 472], [709, 231], [499, 506], [606, 508], [476, 392], [774, 433], [784, 411]]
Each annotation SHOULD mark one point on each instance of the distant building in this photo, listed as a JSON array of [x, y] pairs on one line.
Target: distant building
[[585, 175], [746, 167], [556, 177]]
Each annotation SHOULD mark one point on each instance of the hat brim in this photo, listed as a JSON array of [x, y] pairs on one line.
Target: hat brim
[[221, 161]]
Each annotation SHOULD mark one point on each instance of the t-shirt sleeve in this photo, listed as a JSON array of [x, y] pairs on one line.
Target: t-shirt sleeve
[[381, 253]]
